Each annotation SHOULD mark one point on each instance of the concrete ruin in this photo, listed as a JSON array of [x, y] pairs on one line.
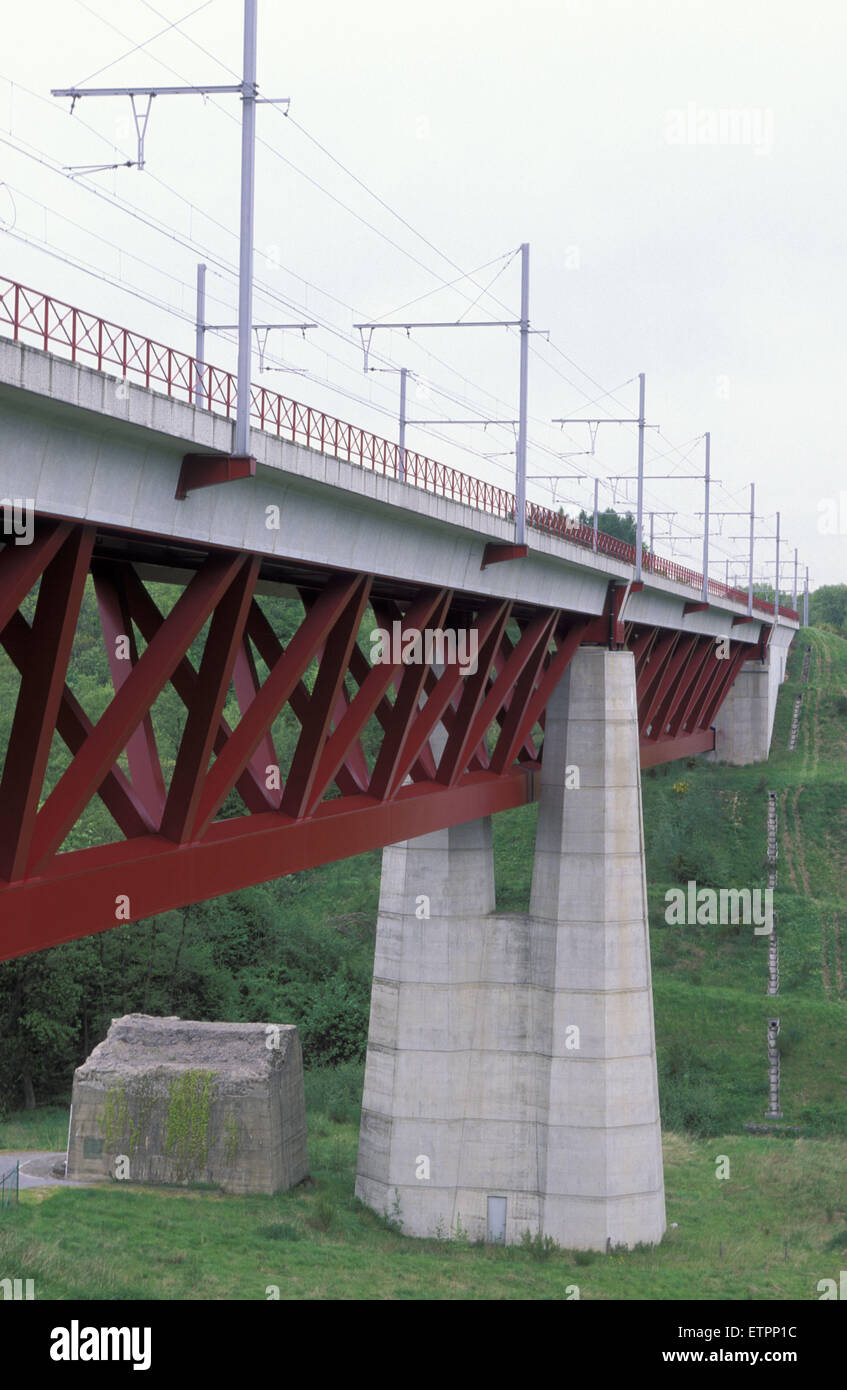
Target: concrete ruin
[[167, 1100]]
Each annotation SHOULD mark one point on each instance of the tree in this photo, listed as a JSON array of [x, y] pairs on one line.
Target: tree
[[623, 527], [829, 605]]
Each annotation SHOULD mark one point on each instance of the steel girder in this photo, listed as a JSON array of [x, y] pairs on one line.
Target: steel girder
[[333, 799]]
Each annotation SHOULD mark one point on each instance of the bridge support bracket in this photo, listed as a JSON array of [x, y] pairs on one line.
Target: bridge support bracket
[[694, 608], [205, 470], [495, 552]]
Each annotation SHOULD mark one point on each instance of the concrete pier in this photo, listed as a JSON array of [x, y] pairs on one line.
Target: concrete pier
[[511, 1071]]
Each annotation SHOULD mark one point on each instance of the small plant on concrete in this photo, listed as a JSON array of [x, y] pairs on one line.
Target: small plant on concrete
[[395, 1217], [232, 1139], [460, 1235]]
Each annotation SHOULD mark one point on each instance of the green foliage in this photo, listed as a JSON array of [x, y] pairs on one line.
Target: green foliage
[[828, 607], [336, 1091], [116, 1121], [689, 1099], [187, 1127], [538, 1246], [622, 526], [232, 1139], [323, 1214]]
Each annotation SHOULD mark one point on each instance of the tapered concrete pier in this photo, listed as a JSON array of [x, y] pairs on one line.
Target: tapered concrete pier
[[511, 1071], [744, 723]]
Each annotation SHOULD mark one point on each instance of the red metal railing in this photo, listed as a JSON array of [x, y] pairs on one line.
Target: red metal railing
[[80, 335]]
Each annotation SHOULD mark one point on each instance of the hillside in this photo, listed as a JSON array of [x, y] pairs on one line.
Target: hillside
[[302, 949]]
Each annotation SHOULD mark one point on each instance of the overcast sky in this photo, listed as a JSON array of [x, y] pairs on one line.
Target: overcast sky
[[675, 165]]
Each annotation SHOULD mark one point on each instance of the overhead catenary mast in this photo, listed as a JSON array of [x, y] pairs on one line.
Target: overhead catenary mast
[[522, 324], [247, 89]]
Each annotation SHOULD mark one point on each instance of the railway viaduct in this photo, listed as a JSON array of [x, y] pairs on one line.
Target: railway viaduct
[[511, 1067]]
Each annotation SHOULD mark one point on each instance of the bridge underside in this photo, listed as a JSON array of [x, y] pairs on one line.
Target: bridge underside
[[358, 771]]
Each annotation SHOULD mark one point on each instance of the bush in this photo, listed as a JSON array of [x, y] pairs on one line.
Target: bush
[[334, 1025], [538, 1246], [336, 1092]]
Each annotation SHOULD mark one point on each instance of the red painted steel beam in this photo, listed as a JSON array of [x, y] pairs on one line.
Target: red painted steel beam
[[652, 673], [679, 721], [663, 692], [426, 719], [109, 736], [205, 470], [350, 780], [669, 749], [529, 704], [679, 690], [73, 726], [695, 719], [21, 566], [524, 661], [77, 895], [246, 682], [220, 653], [495, 552], [142, 754], [252, 784], [327, 689], [467, 731], [39, 698], [286, 673], [408, 697]]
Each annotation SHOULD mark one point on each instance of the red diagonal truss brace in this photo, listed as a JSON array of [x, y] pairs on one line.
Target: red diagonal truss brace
[[332, 800]]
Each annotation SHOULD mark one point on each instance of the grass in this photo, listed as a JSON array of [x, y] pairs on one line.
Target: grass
[[318, 1242], [709, 982], [771, 1231]]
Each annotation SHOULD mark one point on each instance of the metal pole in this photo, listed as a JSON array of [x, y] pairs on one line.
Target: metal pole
[[651, 532], [806, 601], [638, 529], [245, 265], [404, 372], [794, 595], [706, 524], [200, 334], [776, 583], [726, 580], [596, 502], [520, 482], [752, 530]]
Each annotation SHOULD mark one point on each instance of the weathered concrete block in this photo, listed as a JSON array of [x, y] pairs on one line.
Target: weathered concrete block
[[165, 1100]]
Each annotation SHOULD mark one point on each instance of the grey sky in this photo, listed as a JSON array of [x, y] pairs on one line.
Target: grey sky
[[675, 166]]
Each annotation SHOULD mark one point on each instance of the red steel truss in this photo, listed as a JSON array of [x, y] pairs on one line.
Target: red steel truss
[[50, 324], [331, 800]]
